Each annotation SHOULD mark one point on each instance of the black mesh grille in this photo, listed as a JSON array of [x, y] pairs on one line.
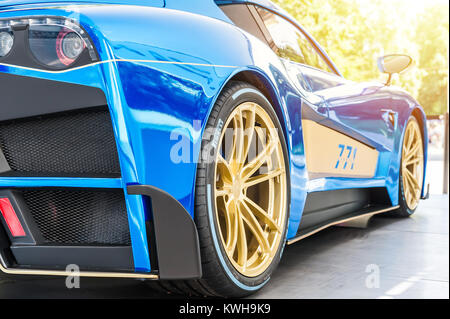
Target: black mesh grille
[[63, 144], [80, 217]]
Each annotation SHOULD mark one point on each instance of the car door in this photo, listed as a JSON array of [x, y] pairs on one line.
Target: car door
[[363, 109], [347, 126]]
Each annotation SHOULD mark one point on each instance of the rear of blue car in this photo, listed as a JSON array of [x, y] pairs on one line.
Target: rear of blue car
[[66, 196]]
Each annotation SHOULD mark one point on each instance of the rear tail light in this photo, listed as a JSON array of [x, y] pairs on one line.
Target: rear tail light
[[69, 46], [11, 219], [56, 43]]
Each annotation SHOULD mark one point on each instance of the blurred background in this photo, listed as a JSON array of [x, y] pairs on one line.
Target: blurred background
[[356, 32]]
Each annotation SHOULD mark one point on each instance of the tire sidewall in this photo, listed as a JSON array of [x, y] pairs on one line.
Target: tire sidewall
[[242, 94]]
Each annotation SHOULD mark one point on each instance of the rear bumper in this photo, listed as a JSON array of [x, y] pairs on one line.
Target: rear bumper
[[163, 240], [172, 239]]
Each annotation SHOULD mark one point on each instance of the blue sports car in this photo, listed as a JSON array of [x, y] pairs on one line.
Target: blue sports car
[[187, 142]]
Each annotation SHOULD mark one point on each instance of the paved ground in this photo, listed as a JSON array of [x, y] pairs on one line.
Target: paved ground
[[407, 258], [410, 255]]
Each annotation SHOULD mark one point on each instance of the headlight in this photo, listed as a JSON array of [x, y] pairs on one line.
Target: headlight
[[6, 43], [55, 43]]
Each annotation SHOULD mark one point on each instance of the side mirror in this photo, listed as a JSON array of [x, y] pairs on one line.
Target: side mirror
[[394, 64]]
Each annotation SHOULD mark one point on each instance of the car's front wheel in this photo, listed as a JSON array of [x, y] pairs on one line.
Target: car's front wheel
[[411, 170], [242, 196]]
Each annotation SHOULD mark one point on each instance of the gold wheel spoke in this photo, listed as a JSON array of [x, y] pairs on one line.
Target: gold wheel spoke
[[413, 161], [413, 151], [410, 138], [409, 199], [242, 243], [233, 227], [405, 151], [409, 195], [253, 258], [221, 192], [228, 225], [413, 180], [262, 214], [240, 139], [238, 142], [255, 228], [224, 169], [255, 164], [232, 154], [248, 133], [409, 183], [263, 178]]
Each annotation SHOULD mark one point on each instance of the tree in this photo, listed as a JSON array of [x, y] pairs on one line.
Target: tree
[[355, 33], [433, 61]]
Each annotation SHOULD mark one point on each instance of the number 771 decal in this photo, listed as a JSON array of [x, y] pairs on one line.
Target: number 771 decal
[[347, 157]]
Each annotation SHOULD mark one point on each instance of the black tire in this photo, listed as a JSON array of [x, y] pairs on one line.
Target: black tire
[[403, 211], [220, 279]]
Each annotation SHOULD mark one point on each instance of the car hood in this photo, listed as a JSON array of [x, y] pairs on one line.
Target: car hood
[[14, 3]]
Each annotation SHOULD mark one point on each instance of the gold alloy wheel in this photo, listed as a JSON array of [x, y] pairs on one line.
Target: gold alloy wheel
[[250, 189], [412, 164]]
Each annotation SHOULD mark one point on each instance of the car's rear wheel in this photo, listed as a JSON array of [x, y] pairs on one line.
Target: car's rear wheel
[[242, 196], [411, 170]]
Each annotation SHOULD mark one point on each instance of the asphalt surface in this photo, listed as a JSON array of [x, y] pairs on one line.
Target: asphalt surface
[[392, 258]]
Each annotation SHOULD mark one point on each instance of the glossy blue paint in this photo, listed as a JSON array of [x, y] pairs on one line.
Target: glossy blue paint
[[60, 182], [13, 3], [162, 69], [336, 183]]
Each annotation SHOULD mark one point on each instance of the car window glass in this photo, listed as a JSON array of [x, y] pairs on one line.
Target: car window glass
[[291, 43], [242, 17], [319, 80]]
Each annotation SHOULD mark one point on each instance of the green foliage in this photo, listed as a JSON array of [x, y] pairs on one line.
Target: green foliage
[[355, 33]]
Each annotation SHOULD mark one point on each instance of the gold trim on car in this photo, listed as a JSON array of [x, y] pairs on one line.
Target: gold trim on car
[[330, 153], [39, 272], [341, 221]]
